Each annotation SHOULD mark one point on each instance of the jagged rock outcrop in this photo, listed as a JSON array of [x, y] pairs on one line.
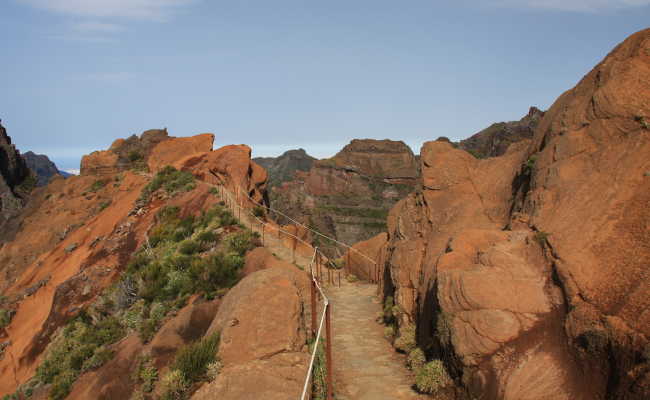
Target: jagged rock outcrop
[[13, 173], [348, 196], [41, 166], [527, 273], [283, 168], [148, 151], [75, 240], [495, 140]]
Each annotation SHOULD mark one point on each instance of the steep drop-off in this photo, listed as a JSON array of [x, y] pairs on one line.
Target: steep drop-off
[[527, 274]]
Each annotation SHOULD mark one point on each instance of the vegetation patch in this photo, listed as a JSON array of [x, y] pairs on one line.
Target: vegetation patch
[[406, 340], [97, 185], [432, 377], [319, 371], [171, 180], [416, 359], [5, 317], [358, 212], [78, 347], [28, 184]]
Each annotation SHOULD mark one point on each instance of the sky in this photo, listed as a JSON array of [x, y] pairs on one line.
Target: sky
[[283, 74]]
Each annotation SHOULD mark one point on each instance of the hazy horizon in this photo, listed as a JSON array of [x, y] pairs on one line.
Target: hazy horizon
[[280, 76]]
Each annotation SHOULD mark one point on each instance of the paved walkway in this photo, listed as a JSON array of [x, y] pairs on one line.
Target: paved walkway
[[366, 367]]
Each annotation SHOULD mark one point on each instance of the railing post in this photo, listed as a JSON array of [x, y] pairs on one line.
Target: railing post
[[263, 226], [339, 278], [313, 309], [328, 351]]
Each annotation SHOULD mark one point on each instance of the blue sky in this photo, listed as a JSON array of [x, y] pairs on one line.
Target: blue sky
[[276, 75]]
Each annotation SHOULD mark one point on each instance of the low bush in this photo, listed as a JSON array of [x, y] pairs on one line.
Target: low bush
[[97, 185], [104, 204], [432, 377], [174, 385], [189, 247], [240, 242], [406, 340], [193, 360], [171, 180], [259, 212], [416, 359], [541, 237], [5, 317]]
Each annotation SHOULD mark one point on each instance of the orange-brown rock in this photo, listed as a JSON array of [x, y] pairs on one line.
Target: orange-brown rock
[[365, 259], [72, 241], [263, 338], [230, 166], [171, 151], [527, 273]]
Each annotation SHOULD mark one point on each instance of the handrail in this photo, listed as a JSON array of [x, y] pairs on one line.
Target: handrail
[[234, 202], [320, 326]]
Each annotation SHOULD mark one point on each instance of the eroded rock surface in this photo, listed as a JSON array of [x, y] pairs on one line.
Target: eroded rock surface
[[526, 273]]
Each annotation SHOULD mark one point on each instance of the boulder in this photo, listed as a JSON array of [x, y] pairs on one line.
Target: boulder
[[170, 151]]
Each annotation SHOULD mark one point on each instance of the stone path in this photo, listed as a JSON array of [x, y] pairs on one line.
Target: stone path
[[365, 365]]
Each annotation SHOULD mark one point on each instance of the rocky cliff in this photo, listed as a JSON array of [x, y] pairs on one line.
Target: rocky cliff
[[16, 181], [348, 196], [526, 274], [42, 167], [283, 168], [114, 278], [495, 140]]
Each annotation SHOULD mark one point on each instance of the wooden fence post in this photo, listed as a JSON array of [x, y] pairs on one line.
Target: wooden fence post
[[313, 309], [328, 351]]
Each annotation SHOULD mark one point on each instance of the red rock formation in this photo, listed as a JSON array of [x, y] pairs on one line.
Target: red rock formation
[[75, 239], [262, 337], [348, 196], [527, 273]]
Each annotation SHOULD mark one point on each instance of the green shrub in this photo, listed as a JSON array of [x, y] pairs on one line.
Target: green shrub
[[174, 385], [104, 204], [258, 212], [389, 318], [530, 163], [171, 180], [97, 185], [213, 370], [214, 191], [207, 237], [134, 156], [240, 242], [100, 356], [146, 373], [5, 317], [432, 377], [62, 385], [406, 340], [189, 247], [193, 360], [389, 332], [416, 359]]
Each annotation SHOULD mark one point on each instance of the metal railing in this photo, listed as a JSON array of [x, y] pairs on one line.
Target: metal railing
[[319, 262]]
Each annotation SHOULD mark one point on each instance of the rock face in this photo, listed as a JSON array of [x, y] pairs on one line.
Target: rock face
[[123, 154], [348, 196], [527, 273], [75, 238], [282, 169], [495, 140], [41, 166], [13, 173], [263, 336]]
